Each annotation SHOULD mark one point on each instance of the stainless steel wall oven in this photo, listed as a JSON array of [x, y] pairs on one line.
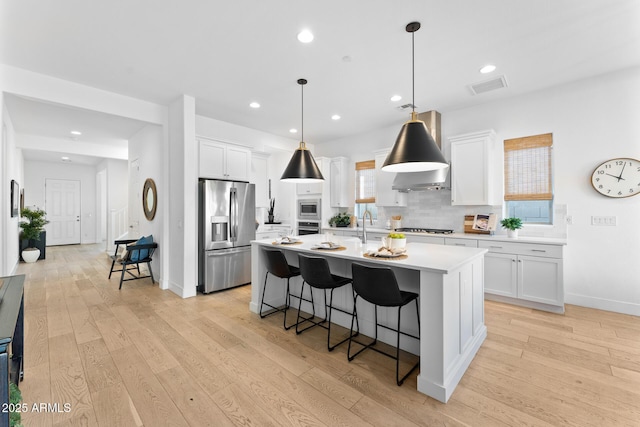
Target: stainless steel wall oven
[[308, 227]]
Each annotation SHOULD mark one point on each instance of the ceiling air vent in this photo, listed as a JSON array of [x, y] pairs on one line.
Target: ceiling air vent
[[488, 85], [406, 107]]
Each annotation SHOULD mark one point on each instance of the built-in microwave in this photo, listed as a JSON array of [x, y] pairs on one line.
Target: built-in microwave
[[309, 209]]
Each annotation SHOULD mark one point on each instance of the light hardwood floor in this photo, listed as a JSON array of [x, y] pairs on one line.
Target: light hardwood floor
[[142, 356]]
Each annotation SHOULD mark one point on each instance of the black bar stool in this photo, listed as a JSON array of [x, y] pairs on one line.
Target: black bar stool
[[378, 286], [316, 273], [277, 265]]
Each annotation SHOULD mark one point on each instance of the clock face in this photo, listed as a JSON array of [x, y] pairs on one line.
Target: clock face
[[617, 178]]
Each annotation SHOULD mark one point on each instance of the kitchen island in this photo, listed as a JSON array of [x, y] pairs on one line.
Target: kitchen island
[[449, 279]]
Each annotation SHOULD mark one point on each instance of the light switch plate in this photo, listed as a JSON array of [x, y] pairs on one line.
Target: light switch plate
[[603, 220]]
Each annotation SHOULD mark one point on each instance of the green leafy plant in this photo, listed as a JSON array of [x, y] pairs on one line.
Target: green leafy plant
[[396, 235], [511, 223], [15, 398], [340, 220], [32, 224]]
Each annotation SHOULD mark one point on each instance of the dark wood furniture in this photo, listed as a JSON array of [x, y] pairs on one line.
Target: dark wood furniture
[[136, 255], [11, 337]]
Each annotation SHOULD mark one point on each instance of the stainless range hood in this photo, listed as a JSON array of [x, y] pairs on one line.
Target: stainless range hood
[[421, 181], [430, 180]]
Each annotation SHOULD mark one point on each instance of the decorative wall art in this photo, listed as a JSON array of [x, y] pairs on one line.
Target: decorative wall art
[[15, 198]]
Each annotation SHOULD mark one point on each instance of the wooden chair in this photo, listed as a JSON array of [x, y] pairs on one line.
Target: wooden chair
[[132, 258]]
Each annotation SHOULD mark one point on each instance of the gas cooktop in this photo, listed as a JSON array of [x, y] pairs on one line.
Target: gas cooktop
[[424, 230]]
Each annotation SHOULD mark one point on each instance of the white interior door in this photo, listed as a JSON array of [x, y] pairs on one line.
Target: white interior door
[[62, 204]]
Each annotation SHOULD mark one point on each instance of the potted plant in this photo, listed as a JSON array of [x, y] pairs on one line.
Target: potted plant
[[15, 403], [512, 225], [395, 241], [272, 206], [340, 220], [32, 224]]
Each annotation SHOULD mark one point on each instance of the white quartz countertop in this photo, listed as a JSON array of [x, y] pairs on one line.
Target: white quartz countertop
[[495, 237], [420, 256]]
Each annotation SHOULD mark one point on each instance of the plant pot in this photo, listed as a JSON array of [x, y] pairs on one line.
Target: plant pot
[[342, 225], [513, 234], [392, 243], [270, 218], [31, 255]]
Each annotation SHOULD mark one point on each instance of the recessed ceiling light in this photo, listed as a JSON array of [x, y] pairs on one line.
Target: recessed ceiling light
[[254, 105], [76, 132], [293, 130], [335, 117], [487, 68], [65, 159], [305, 36], [396, 98]]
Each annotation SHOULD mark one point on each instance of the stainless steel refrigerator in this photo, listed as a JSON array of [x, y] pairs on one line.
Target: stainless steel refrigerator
[[226, 227]]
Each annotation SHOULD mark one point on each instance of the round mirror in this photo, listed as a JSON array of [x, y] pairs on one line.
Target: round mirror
[[149, 199]]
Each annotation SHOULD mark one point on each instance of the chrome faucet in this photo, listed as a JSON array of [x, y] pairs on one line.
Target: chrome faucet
[[364, 225]]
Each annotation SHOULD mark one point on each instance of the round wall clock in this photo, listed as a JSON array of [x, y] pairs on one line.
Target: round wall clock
[[617, 178]]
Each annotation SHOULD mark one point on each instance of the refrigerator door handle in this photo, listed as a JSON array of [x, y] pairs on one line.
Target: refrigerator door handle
[[233, 229]]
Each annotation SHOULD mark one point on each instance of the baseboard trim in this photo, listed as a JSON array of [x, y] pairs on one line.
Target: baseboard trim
[[603, 304], [180, 290]]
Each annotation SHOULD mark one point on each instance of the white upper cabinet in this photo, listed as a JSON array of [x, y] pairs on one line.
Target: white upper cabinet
[[306, 189], [316, 188], [385, 196], [224, 161], [339, 183], [260, 177], [476, 169]]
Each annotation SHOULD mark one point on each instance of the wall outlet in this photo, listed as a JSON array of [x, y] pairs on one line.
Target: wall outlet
[[569, 220], [603, 220]]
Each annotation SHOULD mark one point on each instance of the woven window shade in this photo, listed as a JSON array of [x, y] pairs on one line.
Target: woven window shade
[[366, 182], [527, 166]]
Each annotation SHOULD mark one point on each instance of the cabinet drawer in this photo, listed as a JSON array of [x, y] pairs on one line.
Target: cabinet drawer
[[469, 243], [425, 239], [533, 249]]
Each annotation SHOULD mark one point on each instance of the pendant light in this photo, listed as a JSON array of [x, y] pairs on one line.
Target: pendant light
[[414, 150], [302, 168]]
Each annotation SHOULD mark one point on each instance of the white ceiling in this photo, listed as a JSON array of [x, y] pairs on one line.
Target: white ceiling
[[228, 54]]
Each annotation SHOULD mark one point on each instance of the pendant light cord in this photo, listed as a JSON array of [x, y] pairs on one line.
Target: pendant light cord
[[302, 118], [413, 73]]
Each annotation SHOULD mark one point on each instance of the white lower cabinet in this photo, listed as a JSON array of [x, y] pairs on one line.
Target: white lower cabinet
[[526, 272], [411, 238], [540, 279], [467, 243]]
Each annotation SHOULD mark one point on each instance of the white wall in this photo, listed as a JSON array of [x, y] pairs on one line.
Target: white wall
[[12, 168], [591, 120], [183, 190], [146, 146], [36, 173]]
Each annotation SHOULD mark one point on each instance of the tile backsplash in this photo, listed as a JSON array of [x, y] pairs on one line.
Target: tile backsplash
[[433, 209]]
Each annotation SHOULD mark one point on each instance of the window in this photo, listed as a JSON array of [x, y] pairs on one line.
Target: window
[[528, 183], [366, 188]]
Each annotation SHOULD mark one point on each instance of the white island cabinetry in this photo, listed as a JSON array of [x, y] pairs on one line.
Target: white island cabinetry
[[449, 280]]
